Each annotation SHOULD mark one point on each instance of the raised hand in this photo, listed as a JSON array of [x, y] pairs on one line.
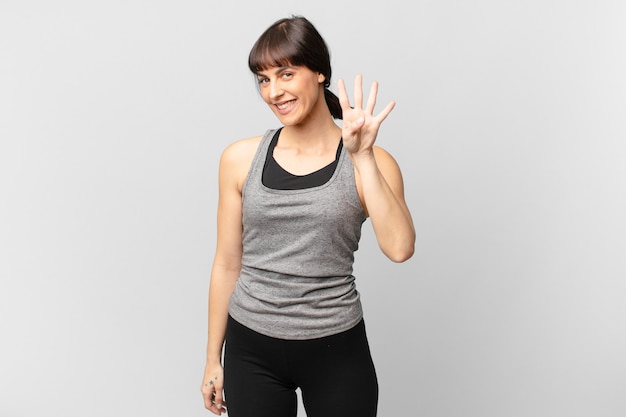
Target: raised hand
[[360, 125]]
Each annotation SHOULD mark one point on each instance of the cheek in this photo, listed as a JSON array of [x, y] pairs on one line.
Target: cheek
[[264, 95]]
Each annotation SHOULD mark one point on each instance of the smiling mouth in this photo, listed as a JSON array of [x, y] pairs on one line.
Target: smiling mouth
[[285, 105]]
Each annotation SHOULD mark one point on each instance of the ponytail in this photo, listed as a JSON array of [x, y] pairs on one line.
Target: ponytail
[[333, 104]]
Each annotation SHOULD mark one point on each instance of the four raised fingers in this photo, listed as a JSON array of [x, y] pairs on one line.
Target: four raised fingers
[[344, 100]]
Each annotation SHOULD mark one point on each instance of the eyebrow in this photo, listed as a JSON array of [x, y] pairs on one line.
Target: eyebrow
[[278, 71]]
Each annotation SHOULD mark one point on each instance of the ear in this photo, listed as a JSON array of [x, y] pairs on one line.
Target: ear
[[321, 78]]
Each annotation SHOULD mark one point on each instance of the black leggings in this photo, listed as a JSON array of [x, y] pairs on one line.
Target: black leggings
[[335, 374]]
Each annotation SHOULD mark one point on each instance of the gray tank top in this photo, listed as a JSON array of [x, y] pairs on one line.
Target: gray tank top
[[296, 278]]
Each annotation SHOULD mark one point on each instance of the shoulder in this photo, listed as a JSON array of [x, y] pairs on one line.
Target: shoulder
[[236, 159], [389, 168], [241, 149], [384, 159]]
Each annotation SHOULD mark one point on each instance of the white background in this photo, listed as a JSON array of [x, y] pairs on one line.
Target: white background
[[510, 130]]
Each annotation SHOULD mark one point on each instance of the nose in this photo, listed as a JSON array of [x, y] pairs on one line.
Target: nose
[[275, 90]]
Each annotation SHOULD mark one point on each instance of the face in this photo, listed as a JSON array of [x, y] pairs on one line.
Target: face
[[293, 93]]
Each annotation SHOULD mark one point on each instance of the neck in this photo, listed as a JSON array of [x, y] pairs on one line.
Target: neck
[[311, 133]]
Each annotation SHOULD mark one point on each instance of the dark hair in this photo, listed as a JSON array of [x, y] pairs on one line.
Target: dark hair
[[295, 41]]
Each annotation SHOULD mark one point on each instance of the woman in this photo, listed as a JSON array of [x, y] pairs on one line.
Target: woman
[[291, 204]]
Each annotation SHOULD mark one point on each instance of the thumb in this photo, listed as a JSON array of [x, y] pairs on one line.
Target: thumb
[[353, 127]]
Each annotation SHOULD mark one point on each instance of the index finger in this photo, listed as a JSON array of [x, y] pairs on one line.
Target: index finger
[[344, 101]]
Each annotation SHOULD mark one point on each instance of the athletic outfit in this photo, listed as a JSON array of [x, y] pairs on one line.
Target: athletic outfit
[[295, 316]]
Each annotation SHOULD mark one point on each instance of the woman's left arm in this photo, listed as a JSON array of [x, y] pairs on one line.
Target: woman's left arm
[[382, 192], [379, 178]]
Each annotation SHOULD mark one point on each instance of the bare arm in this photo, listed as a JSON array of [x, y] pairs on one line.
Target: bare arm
[[226, 267], [382, 193]]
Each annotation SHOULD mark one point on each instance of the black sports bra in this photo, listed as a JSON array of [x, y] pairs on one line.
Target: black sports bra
[[274, 176]]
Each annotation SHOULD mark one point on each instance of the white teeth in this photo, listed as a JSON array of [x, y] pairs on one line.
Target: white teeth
[[283, 106]]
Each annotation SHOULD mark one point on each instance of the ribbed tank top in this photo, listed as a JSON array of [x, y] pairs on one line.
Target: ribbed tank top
[[296, 279]]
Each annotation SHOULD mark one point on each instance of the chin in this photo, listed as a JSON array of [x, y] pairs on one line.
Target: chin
[[288, 121]]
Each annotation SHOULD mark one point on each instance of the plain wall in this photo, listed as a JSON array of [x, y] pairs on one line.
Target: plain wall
[[510, 131]]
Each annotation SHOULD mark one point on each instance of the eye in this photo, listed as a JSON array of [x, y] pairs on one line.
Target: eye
[[286, 75], [263, 80]]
